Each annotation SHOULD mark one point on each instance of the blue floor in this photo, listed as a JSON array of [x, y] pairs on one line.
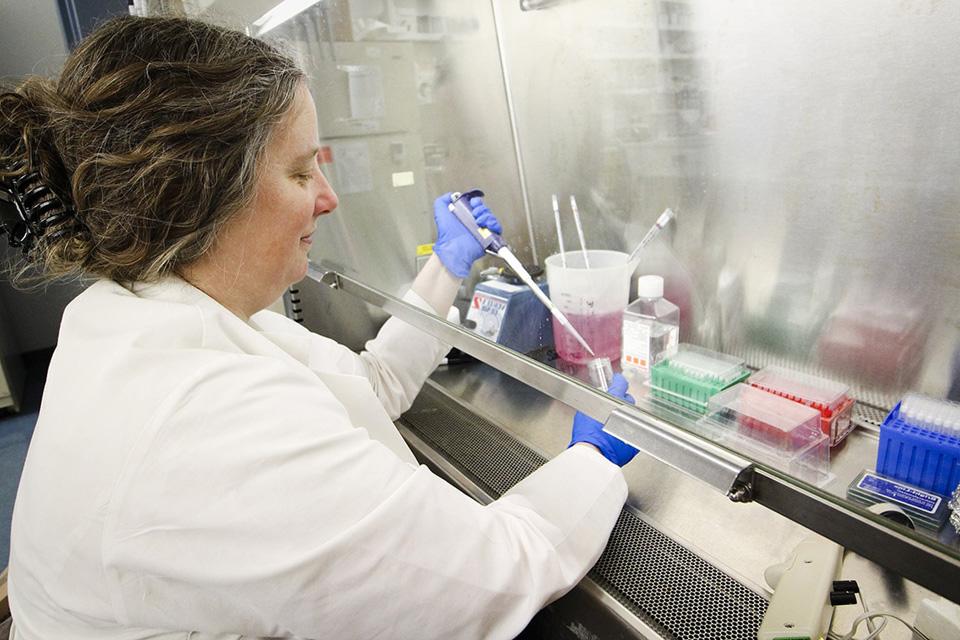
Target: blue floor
[[16, 429]]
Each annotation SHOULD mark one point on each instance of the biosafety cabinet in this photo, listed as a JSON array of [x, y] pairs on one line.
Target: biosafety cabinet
[[808, 152]]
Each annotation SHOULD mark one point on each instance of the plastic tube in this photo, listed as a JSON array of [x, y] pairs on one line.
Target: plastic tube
[[576, 219], [556, 220]]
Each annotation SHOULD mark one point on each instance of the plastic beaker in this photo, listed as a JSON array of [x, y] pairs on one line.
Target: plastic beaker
[[593, 301]]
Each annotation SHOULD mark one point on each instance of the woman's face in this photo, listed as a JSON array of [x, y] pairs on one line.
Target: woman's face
[[268, 243], [291, 193]]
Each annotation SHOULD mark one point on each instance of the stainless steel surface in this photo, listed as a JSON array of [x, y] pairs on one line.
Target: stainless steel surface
[[603, 599], [915, 556], [442, 466], [665, 585], [895, 547], [588, 597], [742, 539], [546, 379], [719, 468]]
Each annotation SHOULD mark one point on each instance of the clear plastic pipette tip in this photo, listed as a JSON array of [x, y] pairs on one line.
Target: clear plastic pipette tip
[[517, 267], [933, 414]]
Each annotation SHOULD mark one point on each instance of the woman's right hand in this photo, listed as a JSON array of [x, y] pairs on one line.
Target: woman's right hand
[[455, 246], [590, 431]]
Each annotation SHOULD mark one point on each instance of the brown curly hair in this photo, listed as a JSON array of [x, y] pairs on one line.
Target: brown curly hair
[[153, 133]]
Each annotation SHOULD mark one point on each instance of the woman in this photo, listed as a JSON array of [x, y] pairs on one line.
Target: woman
[[203, 468]]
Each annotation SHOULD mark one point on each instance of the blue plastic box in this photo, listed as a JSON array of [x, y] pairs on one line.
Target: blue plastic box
[[923, 458]]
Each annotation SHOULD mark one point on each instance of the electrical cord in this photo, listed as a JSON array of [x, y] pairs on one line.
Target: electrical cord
[[868, 616], [873, 630]]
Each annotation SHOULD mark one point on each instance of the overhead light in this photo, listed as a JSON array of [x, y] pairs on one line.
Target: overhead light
[[281, 13]]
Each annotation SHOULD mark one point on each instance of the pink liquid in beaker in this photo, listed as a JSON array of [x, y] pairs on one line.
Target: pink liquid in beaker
[[603, 332]]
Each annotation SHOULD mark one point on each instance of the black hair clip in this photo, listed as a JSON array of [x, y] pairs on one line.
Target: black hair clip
[[28, 207]]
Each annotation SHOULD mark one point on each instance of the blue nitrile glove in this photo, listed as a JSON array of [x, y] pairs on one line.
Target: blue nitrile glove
[[586, 429], [456, 247]]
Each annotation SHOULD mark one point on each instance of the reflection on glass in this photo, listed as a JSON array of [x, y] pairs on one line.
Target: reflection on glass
[[812, 170], [876, 334]]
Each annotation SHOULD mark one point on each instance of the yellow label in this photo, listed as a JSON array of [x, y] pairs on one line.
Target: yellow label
[[424, 250]]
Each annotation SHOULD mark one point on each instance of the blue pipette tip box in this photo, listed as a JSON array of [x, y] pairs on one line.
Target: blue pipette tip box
[[918, 456]]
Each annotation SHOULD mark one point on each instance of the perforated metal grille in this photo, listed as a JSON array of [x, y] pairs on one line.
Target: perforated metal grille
[[865, 415], [663, 583], [491, 458], [672, 589]]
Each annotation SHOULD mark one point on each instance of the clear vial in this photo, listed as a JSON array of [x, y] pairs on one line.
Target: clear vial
[[651, 328], [601, 373]]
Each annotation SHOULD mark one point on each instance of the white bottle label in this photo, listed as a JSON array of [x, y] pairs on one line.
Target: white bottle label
[[636, 346]]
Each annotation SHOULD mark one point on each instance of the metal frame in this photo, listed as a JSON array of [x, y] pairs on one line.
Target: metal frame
[[705, 461], [514, 132], [741, 480]]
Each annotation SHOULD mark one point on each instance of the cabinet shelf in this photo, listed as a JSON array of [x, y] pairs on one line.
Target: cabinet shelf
[[669, 436]]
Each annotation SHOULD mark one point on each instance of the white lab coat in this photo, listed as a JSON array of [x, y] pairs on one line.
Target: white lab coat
[[193, 472]]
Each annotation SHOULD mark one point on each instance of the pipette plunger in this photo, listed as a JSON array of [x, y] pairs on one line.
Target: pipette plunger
[[496, 245]]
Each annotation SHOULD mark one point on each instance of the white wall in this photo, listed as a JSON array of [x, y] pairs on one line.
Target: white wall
[[31, 42]]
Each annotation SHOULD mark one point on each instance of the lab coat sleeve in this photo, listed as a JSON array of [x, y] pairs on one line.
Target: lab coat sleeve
[[396, 362], [235, 513], [399, 359]]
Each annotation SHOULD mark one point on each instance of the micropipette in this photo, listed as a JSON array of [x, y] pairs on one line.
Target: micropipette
[[496, 245], [576, 219], [556, 219], [654, 230]]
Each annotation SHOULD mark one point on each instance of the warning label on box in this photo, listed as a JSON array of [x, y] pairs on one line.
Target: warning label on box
[[487, 312], [904, 494]]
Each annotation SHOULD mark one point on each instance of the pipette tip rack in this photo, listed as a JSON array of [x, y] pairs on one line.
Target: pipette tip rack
[[920, 443], [693, 375], [832, 399]]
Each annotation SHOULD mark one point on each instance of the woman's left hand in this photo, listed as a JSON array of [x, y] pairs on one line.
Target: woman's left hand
[[456, 247]]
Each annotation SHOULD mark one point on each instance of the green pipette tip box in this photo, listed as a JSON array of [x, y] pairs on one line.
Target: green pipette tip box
[[693, 375]]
